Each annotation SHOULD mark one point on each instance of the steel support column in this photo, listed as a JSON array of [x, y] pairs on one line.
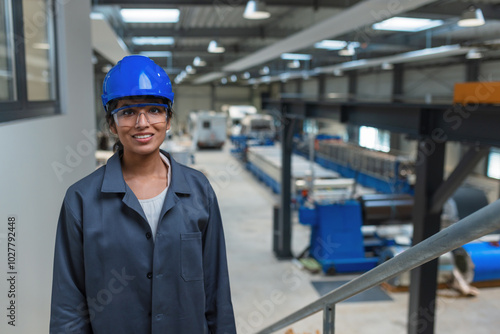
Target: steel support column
[[353, 85], [397, 83], [423, 282], [213, 96], [298, 90], [283, 248], [472, 69], [464, 168], [322, 87]]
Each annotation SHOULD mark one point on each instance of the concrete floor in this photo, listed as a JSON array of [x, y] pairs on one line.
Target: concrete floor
[[265, 290]]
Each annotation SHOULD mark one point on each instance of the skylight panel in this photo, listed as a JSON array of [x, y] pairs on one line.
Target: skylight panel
[[408, 24], [153, 40], [143, 15]]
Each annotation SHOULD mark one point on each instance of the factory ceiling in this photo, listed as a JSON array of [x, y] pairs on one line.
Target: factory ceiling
[[285, 45]]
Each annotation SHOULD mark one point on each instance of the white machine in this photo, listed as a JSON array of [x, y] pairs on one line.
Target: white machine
[[208, 129], [235, 116], [258, 126]]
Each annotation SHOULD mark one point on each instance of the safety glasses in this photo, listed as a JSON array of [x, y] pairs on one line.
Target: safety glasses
[[129, 115]]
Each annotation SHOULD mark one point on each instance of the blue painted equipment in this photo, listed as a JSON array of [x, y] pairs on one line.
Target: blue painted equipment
[[384, 172], [336, 239], [485, 257]]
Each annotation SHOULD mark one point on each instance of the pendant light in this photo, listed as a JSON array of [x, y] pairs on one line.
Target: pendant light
[[471, 17], [256, 10]]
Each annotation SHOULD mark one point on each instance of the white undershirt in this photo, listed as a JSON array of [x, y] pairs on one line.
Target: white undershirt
[[152, 206]]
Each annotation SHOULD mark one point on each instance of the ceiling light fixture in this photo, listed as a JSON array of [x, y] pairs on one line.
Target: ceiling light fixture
[[146, 15], [294, 64], [256, 10], [330, 44], [471, 17], [190, 69], [156, 54], [264, 71], [474, 54], [347, 51], [295, 56], [387, 66], [234, 78], [409, 24], [153, 40], [197, 61], [246, 75], [214, 47]]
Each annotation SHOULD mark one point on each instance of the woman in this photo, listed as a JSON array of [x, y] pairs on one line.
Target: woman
[[140, 246]]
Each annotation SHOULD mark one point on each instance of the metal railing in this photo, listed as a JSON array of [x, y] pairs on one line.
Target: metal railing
[[478, 224]]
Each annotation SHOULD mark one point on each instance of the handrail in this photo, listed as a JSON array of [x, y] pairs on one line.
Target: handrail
[[474, 226]]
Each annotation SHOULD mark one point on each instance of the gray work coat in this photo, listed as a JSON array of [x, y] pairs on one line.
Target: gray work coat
[[111, 277]]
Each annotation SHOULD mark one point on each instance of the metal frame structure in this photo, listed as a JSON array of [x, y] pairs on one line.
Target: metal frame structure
[[470, 228], [432, 126]]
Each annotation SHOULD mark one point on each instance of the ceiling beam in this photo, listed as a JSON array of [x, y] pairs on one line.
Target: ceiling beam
[[353, 18], [287, 3], [211, 32]]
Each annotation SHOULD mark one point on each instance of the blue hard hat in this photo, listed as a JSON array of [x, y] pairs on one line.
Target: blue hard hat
[[136, 76]]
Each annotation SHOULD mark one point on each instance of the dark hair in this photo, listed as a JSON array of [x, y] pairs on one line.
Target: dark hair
[[118, 146]]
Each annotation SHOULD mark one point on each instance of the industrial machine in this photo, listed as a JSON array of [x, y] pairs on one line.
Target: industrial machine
[[235, 116], [385, 172], [355, 235], [208, 129], [338, 240], [256, 130], [265, 163]]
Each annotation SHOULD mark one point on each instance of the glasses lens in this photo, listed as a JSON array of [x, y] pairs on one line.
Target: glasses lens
[[156, 115], [129, 116]]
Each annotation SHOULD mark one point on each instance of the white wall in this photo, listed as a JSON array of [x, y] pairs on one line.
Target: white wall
[[234, 95], [375, 86], [291, 87], [310, 88], [188, 98], [337, 85], [489, 71], [274, 89], [433, 84], [30, 188]]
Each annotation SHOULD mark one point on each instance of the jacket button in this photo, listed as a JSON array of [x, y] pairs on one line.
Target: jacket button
[[148, 235], [149, 275]]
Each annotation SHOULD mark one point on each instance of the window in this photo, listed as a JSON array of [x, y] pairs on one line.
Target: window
[[494, 164], [28, 77], [7, 75], [375, 139]]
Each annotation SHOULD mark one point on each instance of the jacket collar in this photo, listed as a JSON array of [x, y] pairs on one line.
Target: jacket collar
[[113, 181]]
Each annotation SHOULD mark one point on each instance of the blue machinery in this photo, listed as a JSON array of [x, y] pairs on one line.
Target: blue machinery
[[242, 142], [420, 122], [338, 244], [337, 241], [387, 173]]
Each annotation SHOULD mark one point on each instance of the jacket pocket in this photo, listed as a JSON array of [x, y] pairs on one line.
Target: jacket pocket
[[191, 257]]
